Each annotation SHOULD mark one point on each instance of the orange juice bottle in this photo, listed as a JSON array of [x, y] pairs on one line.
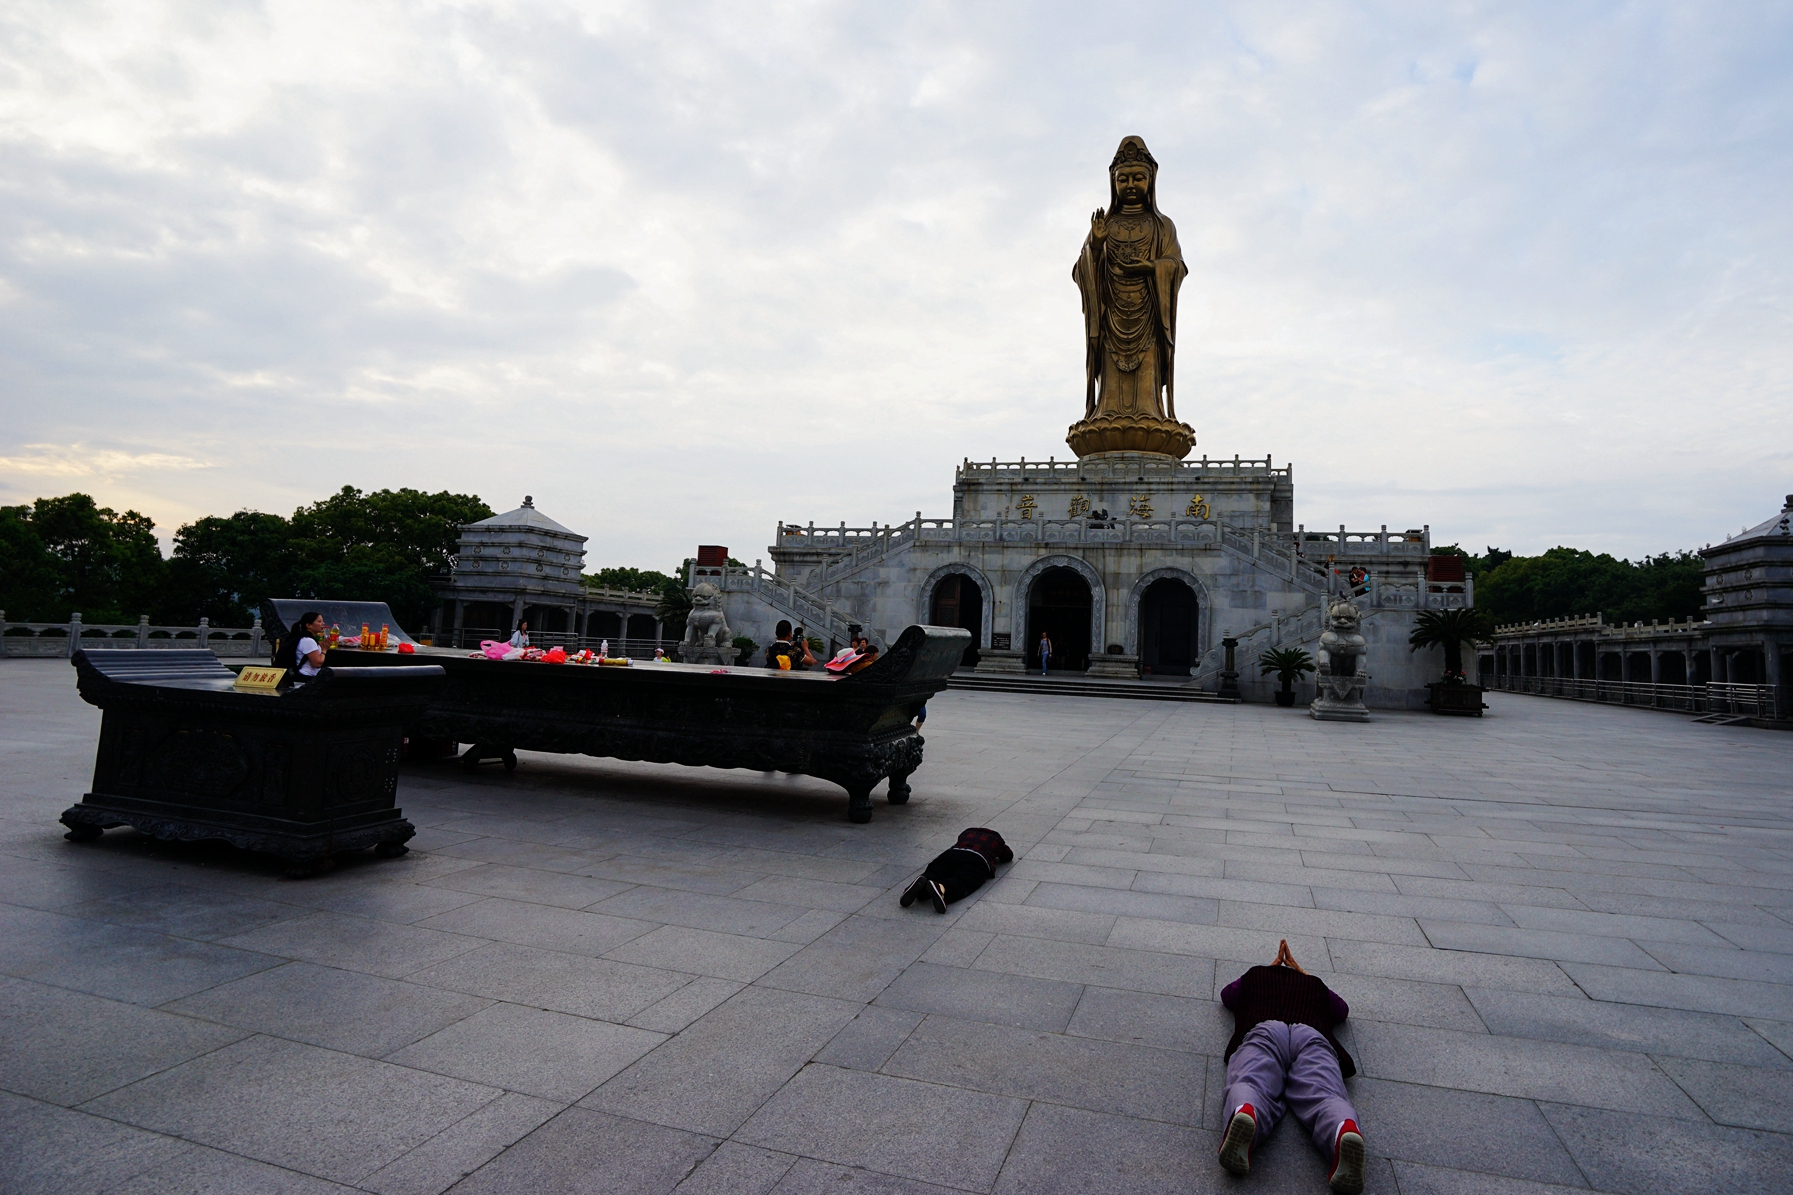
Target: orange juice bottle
[[385, 633], [364, 633]]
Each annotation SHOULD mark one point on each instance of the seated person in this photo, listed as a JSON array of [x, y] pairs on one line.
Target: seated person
[[1283, 1051], [862, 653], [300, 653], [960, 869]]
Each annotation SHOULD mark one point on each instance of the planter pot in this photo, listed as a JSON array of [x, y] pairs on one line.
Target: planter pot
[[1285, 697], [1462, 700]]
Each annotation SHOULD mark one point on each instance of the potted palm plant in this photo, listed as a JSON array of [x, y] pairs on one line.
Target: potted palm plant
[[1288, 663], [1451, 629]]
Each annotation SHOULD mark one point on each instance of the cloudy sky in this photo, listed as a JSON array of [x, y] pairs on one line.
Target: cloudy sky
[[1518, 271]]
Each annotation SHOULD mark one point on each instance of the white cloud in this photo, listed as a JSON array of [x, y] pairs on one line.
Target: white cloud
[[1520, 272], [77, 461]]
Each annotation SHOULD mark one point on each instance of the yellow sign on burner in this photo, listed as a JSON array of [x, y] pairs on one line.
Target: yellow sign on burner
[[260, 679]]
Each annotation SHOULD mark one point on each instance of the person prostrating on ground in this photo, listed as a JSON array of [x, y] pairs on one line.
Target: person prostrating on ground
[[960, 869], [1283, 1053]]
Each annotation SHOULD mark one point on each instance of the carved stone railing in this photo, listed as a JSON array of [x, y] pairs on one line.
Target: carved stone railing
[[621, 597], [1131, 467], [1584, 626], [53, 639]]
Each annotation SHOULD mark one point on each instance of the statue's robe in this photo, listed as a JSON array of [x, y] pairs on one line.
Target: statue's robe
[[1130, 320]]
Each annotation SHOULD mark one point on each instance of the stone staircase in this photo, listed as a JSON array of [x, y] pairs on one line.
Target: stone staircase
[[818, 615]]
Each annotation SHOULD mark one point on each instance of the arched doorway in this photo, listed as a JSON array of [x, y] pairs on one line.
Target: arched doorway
[[1167, 622], [1058, 605], [958, 602]]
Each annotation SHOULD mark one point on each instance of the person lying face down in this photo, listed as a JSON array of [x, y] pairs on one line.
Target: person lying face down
[[1283, 1053], [960, 869]]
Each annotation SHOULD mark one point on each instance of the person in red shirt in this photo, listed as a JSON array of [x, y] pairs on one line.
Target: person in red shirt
[[1283, 1052]]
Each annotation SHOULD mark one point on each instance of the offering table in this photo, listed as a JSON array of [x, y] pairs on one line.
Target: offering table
[[852, 730]]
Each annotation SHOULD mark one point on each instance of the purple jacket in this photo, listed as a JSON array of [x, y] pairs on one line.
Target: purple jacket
[[1229, 996], [1285, 994]]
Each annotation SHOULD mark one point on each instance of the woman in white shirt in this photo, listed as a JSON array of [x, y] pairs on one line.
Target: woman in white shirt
[[520, 636], [301, 654]]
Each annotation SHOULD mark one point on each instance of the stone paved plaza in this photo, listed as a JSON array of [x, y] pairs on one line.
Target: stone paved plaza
[[1566, 934]]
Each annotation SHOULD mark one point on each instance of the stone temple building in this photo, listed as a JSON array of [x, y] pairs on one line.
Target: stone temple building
[[522, 565], [1130, 559], [1132, 563]]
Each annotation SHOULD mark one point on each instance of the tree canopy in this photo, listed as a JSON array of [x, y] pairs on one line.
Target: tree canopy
[[1569, 581], [61, 555], [65, 554]]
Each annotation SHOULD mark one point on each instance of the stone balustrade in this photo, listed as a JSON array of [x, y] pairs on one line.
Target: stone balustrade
[[1100, 468], [61, 639]]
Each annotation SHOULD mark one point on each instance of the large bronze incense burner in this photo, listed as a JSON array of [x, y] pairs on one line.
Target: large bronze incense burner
[[853, 731], [304, 773]]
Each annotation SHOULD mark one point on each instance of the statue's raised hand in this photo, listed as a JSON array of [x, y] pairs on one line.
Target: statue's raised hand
[[1098, 226]]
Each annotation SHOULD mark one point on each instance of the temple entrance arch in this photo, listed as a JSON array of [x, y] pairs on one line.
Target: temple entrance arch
[[1060, 605], [956, 599], [1168, 618]]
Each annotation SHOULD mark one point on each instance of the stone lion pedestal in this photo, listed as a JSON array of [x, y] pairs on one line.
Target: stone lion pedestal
[[1339, 675]]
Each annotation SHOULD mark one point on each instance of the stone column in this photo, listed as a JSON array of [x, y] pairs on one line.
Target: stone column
[[74, 634], [1771, 664], [143, 629], [459, 614]]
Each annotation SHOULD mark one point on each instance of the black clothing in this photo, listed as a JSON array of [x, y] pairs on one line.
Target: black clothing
[[963, 867], [1285, 994]]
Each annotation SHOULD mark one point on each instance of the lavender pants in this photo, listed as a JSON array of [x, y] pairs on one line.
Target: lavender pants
[[1279, 1063]]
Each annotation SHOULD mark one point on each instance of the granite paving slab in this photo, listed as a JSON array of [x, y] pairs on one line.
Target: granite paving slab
[[323, 1113], [102, 1044], [1562, 930]]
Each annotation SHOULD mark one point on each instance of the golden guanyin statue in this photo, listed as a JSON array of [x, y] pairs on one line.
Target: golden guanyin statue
[[1129, 272]]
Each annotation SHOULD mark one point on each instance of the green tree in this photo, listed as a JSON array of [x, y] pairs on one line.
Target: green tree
[[60, 555], [1288, 663], [641, 580], [223, 566], [28, 578], [1450, 629], [380, 547], [421, 529], [1566, 581]]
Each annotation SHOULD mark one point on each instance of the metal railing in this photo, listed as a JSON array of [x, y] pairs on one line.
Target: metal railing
[[63, 639], [1717, 697]]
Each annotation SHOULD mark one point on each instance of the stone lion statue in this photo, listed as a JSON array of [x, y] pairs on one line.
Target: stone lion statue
[[1340, 666], [705, 626], [1342, 647]]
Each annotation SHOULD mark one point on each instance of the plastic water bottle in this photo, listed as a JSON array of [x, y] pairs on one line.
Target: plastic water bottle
[[603, 648]]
